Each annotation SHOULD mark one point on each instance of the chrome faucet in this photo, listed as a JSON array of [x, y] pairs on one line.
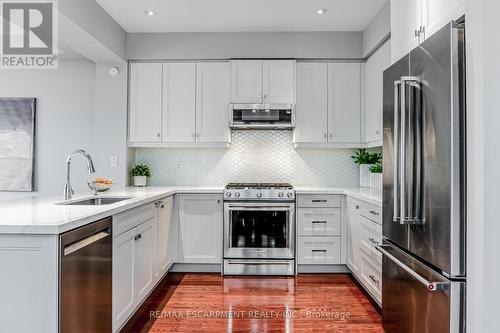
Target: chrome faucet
[[68, 190]]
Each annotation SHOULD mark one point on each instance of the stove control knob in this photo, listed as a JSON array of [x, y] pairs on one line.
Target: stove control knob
[[228, 194], [259, 195], [237, 194], [289, 194], [281, 194]]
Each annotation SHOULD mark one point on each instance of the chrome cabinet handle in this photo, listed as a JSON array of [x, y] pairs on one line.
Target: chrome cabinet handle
[[374, 279], [319, 200], [319, 250], [137, 237], [372, 240], [315, 222], [325, 136], [374, 213], [431, 286]]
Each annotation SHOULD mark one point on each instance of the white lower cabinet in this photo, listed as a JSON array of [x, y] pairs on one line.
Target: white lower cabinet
[[200, 228], [319, 230], [165, 216], [318, 250], [353, 236], [140, 256], [364, 232]]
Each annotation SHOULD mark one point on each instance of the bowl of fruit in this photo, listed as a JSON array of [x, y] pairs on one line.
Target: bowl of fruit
[[103, 184]]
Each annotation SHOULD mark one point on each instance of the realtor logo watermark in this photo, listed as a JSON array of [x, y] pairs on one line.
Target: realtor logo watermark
[[29, 34]]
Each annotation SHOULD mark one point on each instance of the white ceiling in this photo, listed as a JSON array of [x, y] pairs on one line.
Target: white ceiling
[[242, 15]]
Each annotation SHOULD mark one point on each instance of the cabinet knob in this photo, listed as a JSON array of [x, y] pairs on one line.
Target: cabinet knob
[[158, 135], [198, 135], [325, 135], [331, 135]]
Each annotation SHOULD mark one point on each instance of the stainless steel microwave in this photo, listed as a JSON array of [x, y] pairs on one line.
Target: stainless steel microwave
[[262, 116]]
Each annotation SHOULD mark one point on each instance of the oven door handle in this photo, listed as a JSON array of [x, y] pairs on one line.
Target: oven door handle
[[285, 207], [258, 262]]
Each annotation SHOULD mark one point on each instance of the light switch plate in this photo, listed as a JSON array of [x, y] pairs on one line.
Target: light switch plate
[[113, 161]]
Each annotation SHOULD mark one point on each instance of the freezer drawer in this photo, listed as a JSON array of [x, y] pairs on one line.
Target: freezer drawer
[[417, 299]]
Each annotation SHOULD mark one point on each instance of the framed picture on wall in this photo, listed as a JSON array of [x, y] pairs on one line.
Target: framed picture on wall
[[17, 143]]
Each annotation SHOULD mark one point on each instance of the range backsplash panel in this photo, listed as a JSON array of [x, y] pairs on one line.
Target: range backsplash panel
[[253, 156]]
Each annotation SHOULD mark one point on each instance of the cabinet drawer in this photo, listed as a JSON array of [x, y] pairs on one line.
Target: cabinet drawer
[[371, 276], [131, 218], [370, 237], [318, 221], [371, 212], [318, 201], [319, 250]]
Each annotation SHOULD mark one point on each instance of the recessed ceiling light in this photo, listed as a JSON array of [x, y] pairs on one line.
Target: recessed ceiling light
[[149, 12], [321, 11]]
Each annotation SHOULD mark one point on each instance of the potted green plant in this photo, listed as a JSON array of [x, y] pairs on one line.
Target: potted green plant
[[140, 173], [365, 159], [376, 176]]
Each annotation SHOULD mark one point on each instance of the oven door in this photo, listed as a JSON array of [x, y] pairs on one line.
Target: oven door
[[259, 230]]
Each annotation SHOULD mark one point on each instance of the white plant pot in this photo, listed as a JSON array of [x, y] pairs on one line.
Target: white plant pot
[[140, 181], [375, 180], [364, 175]]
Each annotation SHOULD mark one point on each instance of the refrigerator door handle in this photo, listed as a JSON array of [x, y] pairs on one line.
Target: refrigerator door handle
[[410, 129], [431, 286], [396, 157]]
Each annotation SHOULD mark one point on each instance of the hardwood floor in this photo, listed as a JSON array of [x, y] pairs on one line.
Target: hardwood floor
[[305, 303]]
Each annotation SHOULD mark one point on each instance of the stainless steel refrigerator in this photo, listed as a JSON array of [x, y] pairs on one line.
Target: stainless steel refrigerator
[[424, 188]]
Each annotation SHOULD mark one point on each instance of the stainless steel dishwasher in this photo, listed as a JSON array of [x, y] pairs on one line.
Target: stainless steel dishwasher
[[85, 279]]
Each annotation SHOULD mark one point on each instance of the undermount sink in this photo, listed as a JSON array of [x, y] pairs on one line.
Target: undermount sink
[[94, 201]]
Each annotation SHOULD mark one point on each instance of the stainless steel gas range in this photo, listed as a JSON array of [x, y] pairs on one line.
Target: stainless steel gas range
[[259, 229]]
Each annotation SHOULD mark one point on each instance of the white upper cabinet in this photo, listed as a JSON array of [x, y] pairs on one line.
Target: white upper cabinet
[[200, 228], [375, 65], [246, 81], [145, 102], [344, 102], [412, 21], [328, 103], [406, 20], [312, 106], [179, 82], [278, 78], [262, 81], [212, 102], [436, 13]]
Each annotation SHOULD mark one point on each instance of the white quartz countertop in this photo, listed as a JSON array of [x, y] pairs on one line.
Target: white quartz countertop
[[39, 213], [370, 195]]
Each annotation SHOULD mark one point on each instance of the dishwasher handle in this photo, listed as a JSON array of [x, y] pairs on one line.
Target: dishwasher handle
[[73, 247]]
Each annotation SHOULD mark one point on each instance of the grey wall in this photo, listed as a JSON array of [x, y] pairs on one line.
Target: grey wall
[[244, 45], [94, 21], [110, 122], [64, 117], [377, 29]]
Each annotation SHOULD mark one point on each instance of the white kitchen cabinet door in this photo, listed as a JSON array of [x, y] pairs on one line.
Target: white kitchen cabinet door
[[312, 102], [200, 228], [164, 226], [353, 237], [144, 259], [246, 81], [278, 81], [145, 102], [29, 283], [123, 277], [406, 17], [374, 86], [212, 102], [179, 86], [344, 102], [437, 13]]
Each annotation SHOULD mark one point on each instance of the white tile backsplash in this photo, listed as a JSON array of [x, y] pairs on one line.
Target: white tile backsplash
[[253, 156]]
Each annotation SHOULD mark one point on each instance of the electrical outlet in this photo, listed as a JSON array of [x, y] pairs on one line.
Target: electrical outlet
[[114, 161]]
